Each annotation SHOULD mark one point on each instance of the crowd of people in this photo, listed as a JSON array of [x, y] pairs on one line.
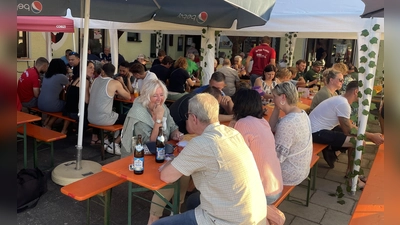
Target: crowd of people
[[232, 167]]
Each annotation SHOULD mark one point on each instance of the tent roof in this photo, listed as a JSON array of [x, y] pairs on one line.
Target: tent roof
[[45, 24], [310, 18]]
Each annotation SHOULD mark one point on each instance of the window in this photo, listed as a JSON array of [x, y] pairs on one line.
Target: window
[[22, 45], [135, 37]]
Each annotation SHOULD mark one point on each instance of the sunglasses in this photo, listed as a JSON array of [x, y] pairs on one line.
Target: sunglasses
[[341, 80], [74, 53]]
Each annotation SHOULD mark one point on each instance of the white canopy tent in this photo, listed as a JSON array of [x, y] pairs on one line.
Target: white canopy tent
[[309, 18]]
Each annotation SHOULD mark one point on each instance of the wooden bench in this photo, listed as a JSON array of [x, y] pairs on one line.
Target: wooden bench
[[94, 185], [285, 193], [311, 178], [111, 129], [370, 207], [55, 114], [317, 148], [42, 135]]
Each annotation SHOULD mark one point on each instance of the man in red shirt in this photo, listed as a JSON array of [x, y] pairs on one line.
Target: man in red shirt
[[29, 83], [261, 55]]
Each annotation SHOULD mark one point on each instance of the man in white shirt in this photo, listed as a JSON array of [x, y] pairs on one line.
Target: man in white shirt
[[223, 170], [140, 75], [333, 112]]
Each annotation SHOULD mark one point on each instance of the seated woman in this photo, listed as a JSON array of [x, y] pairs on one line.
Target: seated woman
[[147, 114], [283, 75], [55, 81], [266, 83], [178, 79], [293, 138], [72, 99], [249, 121]]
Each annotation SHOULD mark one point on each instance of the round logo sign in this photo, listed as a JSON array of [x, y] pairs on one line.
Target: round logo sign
[[36, 7], [202, 17]]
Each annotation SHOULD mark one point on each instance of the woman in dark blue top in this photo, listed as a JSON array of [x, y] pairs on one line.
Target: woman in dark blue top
[[178, 79]]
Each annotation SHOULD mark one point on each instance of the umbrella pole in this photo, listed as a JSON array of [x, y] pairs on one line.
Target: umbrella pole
[[72, 171], [82, 91]]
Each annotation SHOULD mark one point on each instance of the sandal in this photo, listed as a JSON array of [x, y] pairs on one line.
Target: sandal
[[95, 142]]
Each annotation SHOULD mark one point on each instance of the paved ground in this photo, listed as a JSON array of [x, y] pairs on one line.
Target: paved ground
[[55, 208]]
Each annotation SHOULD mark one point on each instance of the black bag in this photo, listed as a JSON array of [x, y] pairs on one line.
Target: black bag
[[31, 184]]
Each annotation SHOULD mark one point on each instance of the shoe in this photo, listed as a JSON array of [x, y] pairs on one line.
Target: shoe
[[106, 142], [330, 157], [109, 149]]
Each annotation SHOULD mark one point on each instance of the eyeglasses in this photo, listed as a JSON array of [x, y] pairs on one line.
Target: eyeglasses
[[187, 115]]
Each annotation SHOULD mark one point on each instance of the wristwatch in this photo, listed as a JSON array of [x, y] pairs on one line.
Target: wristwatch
[[158, 121]]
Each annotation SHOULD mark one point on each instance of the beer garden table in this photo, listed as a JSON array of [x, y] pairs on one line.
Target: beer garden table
[[149, 180], [22, 120]]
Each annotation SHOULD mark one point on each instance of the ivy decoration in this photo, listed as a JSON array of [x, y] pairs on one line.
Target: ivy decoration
[[363, 59], [361, 69], [369, 76], [373, 40], [364, 48], [203, 31], [365, 102], [368, 91], [210, 46], [376, 27], [364, 33], [372, 64], [372, 54], [357, 162]]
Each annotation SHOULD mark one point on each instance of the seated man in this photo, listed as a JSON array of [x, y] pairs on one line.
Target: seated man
[[217, 80], [141, 76], [101, 101], [223, 170], [65, 57], [142, 59], [312, 75], [163, 70], [179, 108], [125, 76], [333, 112], [334, 81], [231, 78], [29, 83], [160, 56]]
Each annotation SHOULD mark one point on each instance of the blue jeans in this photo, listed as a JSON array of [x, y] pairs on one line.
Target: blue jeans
[[187, 218], [253, 78], [273, 198], [193, 201]]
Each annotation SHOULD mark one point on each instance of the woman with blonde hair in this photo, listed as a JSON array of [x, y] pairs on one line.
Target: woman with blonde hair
[[147, 115], [293, 139], [178, 80]]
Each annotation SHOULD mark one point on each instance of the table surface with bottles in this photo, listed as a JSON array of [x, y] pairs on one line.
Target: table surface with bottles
[[150, 178]]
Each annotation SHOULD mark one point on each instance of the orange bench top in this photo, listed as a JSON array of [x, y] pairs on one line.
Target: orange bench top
[[55, 114], [92, 185], [111, 128], [370, 207], [285, 192], [41, 133], [317, 148]]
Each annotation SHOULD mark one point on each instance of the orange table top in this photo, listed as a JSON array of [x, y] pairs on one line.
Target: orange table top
[[26, 118], [370, 207], [150, 178], [125, 100]]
